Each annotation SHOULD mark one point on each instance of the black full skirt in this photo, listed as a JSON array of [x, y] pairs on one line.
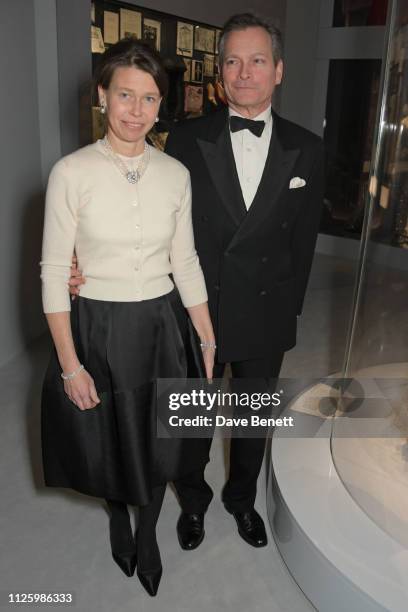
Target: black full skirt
[[112, 451]]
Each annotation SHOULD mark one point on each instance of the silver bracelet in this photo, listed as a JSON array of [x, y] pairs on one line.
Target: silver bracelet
[[73, 374], [206, 345]]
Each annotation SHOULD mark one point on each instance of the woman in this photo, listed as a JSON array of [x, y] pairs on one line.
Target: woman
[[126, 210]]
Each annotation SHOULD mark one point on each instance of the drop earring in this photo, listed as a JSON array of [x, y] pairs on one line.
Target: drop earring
[[157, 120], [102, 108]]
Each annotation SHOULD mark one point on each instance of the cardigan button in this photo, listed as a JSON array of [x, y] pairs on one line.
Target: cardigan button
[[284, 225], [216, 287], [204, 218], [264, 259], [263, 293]]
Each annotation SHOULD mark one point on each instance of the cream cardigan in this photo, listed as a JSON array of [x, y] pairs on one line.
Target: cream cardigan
[[127, 238]]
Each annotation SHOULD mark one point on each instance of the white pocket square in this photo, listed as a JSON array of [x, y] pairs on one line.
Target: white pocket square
[[296, 182]]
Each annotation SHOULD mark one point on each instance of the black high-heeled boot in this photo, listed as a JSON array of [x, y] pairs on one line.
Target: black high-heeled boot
[[149, 566], [121, 537]]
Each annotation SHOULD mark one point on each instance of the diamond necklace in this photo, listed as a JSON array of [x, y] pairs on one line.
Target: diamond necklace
[[132, 175]]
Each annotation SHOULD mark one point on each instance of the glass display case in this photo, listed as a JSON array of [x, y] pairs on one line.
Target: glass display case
[[371, 454], [338, 487]]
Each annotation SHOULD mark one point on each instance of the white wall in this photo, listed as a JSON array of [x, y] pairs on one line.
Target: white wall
[[21, 199], [74, 65], [301, 50]]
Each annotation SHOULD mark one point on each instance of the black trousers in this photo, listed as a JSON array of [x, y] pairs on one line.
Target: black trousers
[[246, 454]]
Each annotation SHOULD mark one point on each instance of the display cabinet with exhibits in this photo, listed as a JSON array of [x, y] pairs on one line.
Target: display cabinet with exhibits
[[189, 50]]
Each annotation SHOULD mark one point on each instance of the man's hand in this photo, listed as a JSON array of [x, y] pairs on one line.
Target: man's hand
[[76, 278]]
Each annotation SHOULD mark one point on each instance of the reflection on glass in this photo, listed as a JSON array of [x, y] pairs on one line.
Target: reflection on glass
[[352, 98], [390, 216], [374, 469], [380, 332], [360, 13]]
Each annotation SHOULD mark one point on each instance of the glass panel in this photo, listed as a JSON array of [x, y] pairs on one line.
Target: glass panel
[[352, 98], [370, 452], [360, 13]]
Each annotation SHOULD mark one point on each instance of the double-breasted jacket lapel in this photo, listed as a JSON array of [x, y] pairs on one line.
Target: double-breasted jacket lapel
[[218, 155]]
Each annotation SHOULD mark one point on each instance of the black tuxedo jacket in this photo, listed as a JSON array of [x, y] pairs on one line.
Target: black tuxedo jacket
[[257, 263]]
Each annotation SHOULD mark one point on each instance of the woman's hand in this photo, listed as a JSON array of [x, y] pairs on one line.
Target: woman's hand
[[81, 391], [80, 386], [208, 357]]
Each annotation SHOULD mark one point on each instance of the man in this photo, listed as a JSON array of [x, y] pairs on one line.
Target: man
[[257, 185]]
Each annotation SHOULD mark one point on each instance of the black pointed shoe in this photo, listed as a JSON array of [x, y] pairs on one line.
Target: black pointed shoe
[[190, 530], [251, 527], [150, 580], [126, 562], [149, 565], [121, 538]]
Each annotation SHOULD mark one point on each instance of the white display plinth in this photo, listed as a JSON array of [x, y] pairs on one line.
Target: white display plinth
[[338, 556]]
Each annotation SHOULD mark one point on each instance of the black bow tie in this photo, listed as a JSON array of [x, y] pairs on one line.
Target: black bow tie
[[240, 123]]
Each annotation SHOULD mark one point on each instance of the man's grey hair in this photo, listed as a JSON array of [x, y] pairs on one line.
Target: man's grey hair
[[250, 20]]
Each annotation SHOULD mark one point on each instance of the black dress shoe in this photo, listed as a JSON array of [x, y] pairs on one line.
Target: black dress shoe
[[250, 527], [190, 530]]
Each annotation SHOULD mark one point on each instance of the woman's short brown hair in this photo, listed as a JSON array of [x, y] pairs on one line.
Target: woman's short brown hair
[[130, 52]]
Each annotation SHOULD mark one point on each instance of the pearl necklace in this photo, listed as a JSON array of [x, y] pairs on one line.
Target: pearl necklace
[[131, 175]]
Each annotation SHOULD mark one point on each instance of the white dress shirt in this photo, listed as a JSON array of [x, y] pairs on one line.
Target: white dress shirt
[[250, 153]]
